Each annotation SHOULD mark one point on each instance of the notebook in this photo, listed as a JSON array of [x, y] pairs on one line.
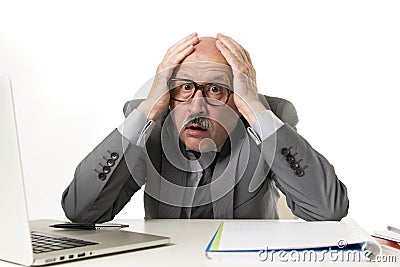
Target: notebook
[[287, 240], [35, 243]]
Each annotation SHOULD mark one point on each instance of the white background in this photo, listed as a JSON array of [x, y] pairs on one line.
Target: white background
[[73, 64]]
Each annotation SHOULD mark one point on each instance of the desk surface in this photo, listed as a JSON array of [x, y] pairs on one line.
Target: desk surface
[[189, 240]]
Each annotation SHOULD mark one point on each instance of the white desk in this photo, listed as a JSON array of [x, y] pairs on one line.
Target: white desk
[[189, 240]]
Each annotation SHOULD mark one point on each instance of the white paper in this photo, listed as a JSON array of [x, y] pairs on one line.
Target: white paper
[[276, 235]]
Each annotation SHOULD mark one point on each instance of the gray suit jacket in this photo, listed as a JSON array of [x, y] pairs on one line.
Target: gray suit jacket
[[244, 183]]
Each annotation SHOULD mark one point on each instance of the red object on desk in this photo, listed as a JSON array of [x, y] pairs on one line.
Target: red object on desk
[[388, 243]]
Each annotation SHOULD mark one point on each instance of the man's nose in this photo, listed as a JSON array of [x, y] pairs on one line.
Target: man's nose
[[198, 104]]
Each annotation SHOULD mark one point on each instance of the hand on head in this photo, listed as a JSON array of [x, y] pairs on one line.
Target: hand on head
[[244, 82], [158, 98]]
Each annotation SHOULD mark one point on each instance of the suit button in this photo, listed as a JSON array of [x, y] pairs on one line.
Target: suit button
[[290, 158], [285, 151], [114, 156], [299, 172], [102, 176], [110, 162], [106, 169], [294, 165]]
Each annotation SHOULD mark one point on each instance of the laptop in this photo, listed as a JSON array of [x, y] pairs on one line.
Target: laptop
[[35, 243]]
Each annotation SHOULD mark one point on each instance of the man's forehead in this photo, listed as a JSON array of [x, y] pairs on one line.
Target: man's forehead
[[200, 70]]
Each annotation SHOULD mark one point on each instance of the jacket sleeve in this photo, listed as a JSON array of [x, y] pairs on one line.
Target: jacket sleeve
[[308, 180], [105, 180]]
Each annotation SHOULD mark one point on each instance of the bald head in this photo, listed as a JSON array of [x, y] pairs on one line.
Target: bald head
[[206, 50]]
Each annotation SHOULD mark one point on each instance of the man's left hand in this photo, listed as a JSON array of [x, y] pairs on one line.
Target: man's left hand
[[244, 80]]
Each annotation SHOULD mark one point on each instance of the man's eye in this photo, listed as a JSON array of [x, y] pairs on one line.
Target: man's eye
[[215, 89], [187, 87]]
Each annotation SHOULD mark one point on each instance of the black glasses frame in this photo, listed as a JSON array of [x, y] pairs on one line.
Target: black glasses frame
[[199, 87]]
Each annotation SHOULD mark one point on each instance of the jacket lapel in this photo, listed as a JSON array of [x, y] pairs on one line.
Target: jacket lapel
[[173, 172]]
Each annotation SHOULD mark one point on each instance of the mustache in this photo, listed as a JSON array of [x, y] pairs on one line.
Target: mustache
[[203, 122]]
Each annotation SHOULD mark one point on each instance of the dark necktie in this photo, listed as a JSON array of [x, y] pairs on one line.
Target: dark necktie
[[202, 204]]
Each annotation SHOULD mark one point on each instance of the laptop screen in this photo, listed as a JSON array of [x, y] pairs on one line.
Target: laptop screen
[[15, 245]]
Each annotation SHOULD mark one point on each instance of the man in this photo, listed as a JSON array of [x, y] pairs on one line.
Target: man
[[206, 145]]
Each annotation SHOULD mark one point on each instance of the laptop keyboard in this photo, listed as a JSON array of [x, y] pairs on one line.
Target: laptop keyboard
[[45, 243]]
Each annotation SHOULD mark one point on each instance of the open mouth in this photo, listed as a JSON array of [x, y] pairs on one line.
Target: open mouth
[[196, 127]]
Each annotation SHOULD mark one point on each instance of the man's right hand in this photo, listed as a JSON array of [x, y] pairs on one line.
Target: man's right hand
[[158, 99]]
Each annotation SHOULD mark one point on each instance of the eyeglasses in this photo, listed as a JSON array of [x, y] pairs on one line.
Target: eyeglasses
[[183, 90]]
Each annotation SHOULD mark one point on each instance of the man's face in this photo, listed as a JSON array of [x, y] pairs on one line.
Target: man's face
[[203, 126]]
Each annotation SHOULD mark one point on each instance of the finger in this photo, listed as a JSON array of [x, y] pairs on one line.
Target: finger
[[178, 51], [243, 68], [231, 40], [248, 56], [194, 34], [228, 54], [243, 52], [232, 45], [175, 50], [185, 39], [183, 43], [183, 54], [191, 42], [171, 61]]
